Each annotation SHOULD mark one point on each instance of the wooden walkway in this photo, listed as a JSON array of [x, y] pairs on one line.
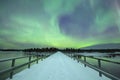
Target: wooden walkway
[[59, 67]]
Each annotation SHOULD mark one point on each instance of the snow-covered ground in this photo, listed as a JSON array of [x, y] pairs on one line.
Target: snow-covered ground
[[58, 67]]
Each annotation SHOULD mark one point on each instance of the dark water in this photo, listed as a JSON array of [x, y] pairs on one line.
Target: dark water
[[7, 64], [109, 67]]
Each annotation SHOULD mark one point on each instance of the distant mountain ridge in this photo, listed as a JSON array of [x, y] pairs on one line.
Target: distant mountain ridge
[[104, 46]]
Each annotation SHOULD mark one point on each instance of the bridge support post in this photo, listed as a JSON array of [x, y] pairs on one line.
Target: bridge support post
[[99, 65], [37, 59], [29, 61], [85, 60], [12, 65]]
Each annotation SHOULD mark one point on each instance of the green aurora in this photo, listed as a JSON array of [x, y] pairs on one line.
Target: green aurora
[[58, 23]]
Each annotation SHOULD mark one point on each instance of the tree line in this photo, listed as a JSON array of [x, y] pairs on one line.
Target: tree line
[[52, 49]]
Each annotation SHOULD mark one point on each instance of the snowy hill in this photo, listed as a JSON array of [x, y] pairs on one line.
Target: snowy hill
[[104, 46], [58, 67]]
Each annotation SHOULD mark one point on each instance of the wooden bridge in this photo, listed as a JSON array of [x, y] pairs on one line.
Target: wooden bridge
[[80, 59]]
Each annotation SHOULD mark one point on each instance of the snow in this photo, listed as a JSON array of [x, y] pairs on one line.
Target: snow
[[58, 67]]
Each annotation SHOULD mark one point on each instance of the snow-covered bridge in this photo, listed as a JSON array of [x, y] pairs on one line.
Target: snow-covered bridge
[[58, 67]]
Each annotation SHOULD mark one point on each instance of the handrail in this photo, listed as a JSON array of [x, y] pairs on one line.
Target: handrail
[[99, 59], [104, 60], [13, 67], [100, 70]]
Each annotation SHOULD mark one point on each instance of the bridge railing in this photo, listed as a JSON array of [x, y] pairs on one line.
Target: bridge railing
[[13, 67], [83, 59]]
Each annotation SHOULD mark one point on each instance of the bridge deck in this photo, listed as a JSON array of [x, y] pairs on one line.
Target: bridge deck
[[58, 67]]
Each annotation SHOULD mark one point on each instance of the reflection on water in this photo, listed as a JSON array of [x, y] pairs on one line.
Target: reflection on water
[[9, 54]]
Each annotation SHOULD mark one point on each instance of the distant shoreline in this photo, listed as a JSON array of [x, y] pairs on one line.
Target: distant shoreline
[[63, 50]]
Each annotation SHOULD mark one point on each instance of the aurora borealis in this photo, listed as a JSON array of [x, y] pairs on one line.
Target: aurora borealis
[[58, 23]]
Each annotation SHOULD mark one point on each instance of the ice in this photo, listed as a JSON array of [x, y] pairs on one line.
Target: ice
[[58, 67]]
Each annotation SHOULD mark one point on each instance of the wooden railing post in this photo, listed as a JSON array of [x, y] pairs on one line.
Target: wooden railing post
[[42, 58], [80, 56], [12, 65], [29, 61], [99, 65], [85, 60], [37, 59], [77, 58]]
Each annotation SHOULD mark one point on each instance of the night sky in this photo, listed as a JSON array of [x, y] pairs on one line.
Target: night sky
[[59, 23]]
